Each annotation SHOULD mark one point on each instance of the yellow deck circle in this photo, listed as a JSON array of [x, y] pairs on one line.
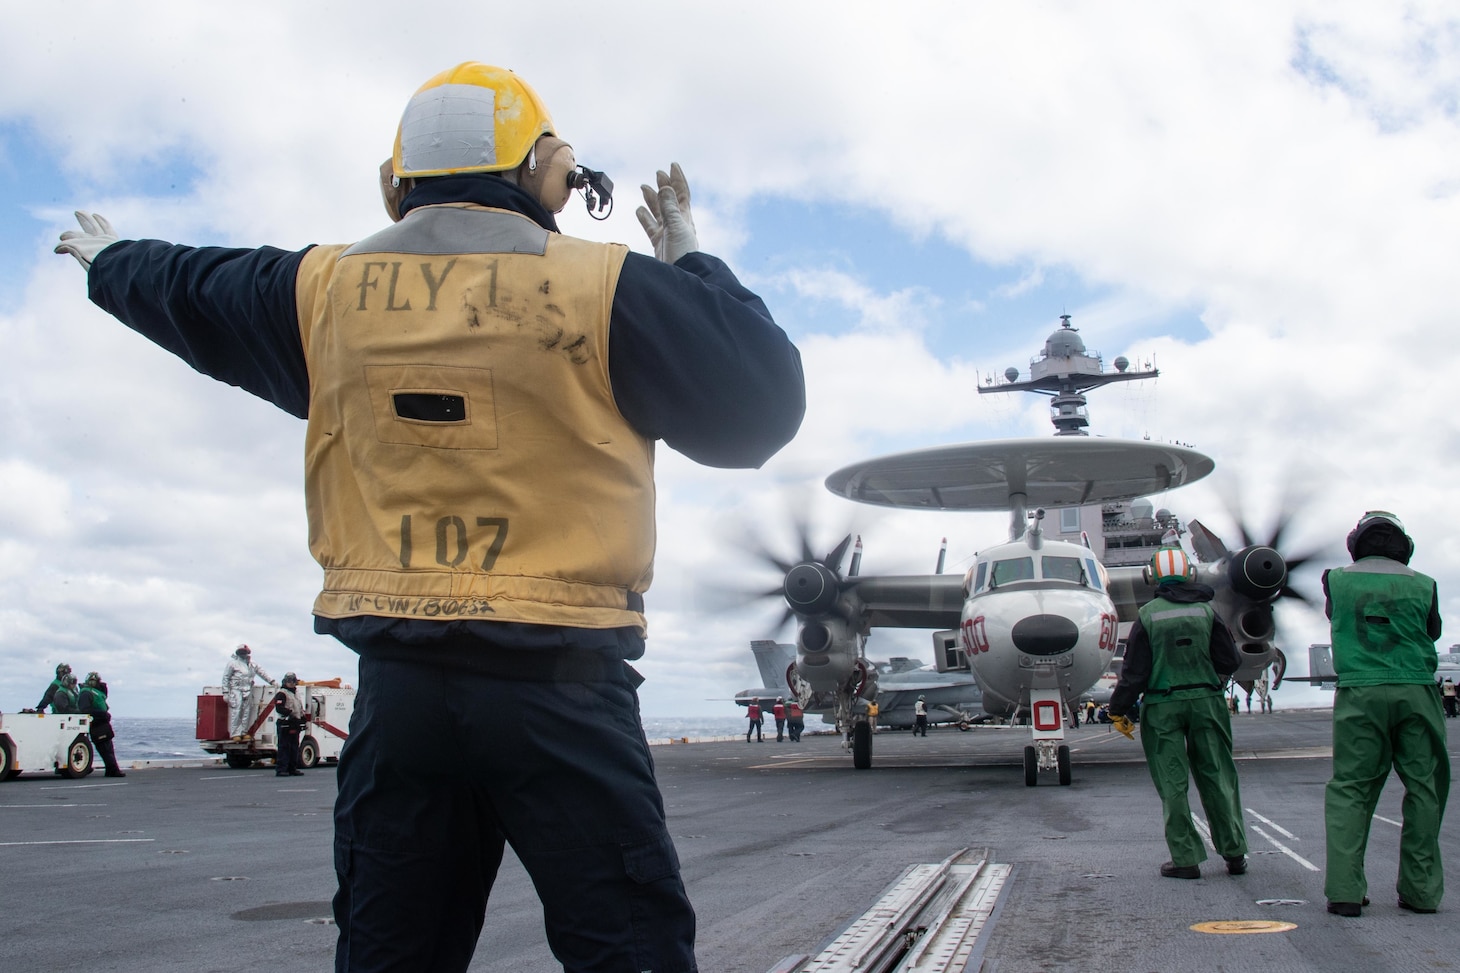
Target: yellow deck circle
[[1239, 927]]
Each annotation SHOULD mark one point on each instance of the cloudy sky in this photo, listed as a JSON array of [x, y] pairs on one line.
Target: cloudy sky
[[1261, 198]]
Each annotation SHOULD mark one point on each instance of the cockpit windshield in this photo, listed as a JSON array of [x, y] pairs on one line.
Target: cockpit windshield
[[1063, 569], [1050, 567], [1013, 569]]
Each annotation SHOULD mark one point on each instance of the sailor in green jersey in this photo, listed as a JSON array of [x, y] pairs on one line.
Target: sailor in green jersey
[[64, 700], [92, 701], [1179, 654], [1385, 618], [62, 670]]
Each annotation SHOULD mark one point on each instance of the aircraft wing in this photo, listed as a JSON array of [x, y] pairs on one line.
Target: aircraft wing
[[931, 601], [1129, 589], [925, 687]]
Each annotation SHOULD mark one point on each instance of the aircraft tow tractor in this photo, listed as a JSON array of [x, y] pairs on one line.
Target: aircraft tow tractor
[[327, 706], [59, 743]]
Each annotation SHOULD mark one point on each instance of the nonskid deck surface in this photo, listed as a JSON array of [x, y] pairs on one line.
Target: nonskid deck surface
[[783, 847]]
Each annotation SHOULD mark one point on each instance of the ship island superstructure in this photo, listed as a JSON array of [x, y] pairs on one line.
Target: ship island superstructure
[[1122, 533]]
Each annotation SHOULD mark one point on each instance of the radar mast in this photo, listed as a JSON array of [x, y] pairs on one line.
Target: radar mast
[[1065, 372]]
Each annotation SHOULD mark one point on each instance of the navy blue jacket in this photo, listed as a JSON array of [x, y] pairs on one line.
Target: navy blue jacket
[[695, 359]]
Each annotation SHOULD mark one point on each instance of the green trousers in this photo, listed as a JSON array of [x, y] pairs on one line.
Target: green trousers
[[1376, 728], [1192, 738]]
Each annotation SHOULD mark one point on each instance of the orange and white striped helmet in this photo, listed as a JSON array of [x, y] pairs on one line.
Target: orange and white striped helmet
[[1170, 565]]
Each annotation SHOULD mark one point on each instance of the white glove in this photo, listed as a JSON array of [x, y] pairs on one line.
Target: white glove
[[95, 235], [666, 218]]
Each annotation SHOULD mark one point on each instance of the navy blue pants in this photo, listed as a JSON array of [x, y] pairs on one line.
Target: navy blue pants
[[443, 766], [287, 760]]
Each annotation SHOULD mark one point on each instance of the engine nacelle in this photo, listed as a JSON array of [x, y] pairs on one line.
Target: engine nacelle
[[996, 705], [827, 652], [811, 589], [1256, 656], [1252, 626], [1257, 572]]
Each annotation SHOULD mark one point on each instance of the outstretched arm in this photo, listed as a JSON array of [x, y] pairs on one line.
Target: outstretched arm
[[228, 313]]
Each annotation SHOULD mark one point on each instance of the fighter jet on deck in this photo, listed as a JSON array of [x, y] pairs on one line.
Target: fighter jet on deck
[[951, 697]]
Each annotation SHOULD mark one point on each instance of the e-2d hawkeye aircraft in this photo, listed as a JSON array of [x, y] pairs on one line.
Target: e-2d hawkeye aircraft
[[1034, 619]]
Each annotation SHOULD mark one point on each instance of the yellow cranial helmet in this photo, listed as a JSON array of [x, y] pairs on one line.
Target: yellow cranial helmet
[[470, 118]]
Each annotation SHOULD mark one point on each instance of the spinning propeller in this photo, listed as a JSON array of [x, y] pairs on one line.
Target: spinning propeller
[[810, 585], [1258, 569], [1258, 572]]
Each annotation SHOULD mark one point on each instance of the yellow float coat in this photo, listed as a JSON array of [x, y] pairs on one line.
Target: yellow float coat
[[464, 456]]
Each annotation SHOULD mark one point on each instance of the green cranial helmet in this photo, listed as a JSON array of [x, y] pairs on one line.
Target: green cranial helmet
[[1386, 529], [62, 669], [93, 679]]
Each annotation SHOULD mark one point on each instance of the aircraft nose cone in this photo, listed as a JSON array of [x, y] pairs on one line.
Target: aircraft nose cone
[[1045, 634]]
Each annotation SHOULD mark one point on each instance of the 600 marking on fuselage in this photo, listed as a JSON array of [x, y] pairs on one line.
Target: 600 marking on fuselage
[[975, 635]]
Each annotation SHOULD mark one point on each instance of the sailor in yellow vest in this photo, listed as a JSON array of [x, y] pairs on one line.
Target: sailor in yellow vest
[[1387, 715], [1179, 654], [483, 397]]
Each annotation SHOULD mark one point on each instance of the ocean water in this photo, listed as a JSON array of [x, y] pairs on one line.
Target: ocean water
[[155, 739], [696, 728], [172, 738]]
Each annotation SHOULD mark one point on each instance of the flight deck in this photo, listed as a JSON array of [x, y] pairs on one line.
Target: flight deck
[[784, 847]]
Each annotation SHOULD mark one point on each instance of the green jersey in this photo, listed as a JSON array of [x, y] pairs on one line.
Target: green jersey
[[1380, 610], [1181, 645], [92, 700]]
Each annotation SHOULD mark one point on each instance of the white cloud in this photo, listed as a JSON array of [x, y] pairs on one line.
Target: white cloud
[[1283, 172]]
